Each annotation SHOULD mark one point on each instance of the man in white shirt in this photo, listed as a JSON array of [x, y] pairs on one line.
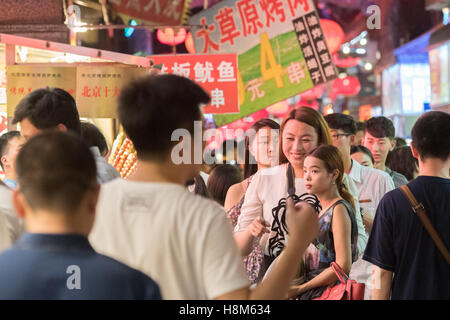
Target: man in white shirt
[[153, 223], [372, 184]]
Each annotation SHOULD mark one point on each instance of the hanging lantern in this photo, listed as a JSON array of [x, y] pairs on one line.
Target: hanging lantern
[[313, 93], [348, 86], [333, 33], [169, 37], [189, 43], [309, 103], [345, 63], [365, 112], [278, 109]]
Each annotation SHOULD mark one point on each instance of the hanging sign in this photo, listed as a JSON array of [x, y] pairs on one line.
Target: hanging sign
[[98, 88], [21, 80], [163, 12], [280, 46], [215, 73]]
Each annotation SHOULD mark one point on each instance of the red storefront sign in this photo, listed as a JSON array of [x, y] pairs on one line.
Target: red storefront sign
[[167, 12], [216, 73]]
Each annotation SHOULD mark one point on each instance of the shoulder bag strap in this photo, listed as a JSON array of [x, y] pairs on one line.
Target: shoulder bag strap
[[419, 210]]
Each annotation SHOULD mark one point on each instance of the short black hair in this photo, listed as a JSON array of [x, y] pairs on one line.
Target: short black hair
[[222, 177], [431, 135], [46, 108], [4, 141], [153, 107], [380, 127], [55, 170], [341, 121], [360, 148], [402, 161], [359, 126], [93, 137], [400, 142]]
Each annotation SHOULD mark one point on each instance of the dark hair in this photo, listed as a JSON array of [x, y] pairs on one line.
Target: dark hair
[[153, 107], [200, 187], [46, 108], [431, 135], [402, 161], [4, 141], [380, 127], [250, 165], [400, 142], [310, 117], [332, 158], [355, 149], [93, 137], [55, 170], [359, 126], [222, 177], [341, 121]]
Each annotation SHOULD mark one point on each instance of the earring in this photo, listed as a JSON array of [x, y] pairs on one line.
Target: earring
[[334, 182]]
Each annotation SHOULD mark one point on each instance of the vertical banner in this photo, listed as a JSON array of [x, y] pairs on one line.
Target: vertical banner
[[21, 80], [215, 73], [98, 88], [271, 59]]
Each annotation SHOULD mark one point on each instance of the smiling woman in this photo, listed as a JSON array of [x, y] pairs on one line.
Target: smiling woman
[[301, 131]]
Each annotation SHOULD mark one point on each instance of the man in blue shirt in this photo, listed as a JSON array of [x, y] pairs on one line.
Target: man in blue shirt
[[54, 260], [408, 263]]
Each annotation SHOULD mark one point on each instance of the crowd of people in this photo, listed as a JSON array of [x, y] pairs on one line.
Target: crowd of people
[[311, 191]]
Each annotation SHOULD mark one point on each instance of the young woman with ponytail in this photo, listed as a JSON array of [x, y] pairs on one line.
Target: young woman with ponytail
[[337, 239]]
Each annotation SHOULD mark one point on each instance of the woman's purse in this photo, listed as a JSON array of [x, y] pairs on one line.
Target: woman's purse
[[347, 289]]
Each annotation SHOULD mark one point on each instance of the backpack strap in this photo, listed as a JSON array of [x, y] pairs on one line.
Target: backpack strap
[[419, 210]]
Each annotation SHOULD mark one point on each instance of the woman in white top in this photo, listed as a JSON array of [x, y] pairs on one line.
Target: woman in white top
[[301, 131]]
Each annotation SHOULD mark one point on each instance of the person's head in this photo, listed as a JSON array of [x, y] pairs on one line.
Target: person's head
[[379, 139], [49, 108], [359, 136], [261, 146], [399, 142], [222, 177], [57, 178], [431, 137], [302, 130], [93, 137], [402, 161], [324, 170], [10, 144], [362, 155], [343, 130], [153, 107]]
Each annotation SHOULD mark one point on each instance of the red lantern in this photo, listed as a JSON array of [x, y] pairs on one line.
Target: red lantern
[[313, 93], [189, 43], [279, 108], [169, 37], [309, 103], [334, 35], [348, 86], [365, 112], [345, 63]]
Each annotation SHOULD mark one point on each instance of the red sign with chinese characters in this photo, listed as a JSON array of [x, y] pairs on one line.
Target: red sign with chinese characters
[[215, 73], [167, 12]]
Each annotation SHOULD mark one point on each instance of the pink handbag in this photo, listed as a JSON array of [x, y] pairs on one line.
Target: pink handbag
[[346, 290]]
